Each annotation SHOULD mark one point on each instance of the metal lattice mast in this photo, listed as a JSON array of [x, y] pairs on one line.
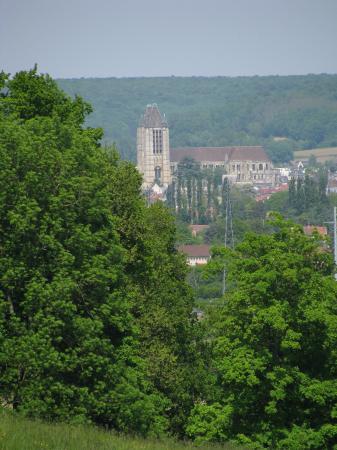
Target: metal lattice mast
[[229, 233]]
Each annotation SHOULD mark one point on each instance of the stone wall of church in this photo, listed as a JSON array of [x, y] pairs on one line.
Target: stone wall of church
[[241, 171], [153, 161], [256, 172]]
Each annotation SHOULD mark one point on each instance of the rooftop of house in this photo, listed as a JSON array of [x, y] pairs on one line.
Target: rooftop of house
[[272, 190], [332, 183], [213, 154], [195, 251], [310, 229], [152, 118]]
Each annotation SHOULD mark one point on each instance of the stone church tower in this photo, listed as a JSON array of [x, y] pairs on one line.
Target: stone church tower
[[153, 151]]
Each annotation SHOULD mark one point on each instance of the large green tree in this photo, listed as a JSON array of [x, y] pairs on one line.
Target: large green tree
[[274, 346], [93, 300]]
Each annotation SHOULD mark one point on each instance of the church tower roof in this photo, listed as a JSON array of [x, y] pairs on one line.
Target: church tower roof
[[152, 118]]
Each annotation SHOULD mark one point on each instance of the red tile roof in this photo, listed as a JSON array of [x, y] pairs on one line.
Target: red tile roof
[[262, 197], [332, 183], [195, 250], [309, 229], [213, 154], [249, 154]]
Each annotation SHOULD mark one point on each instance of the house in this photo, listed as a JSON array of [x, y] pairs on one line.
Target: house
[[310, 229], [196, 254], [298, 172], [284, 173], [332, 186], [265, 193]]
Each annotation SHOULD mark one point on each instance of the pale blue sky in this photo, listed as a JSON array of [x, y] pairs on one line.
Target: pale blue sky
[[103, 38]]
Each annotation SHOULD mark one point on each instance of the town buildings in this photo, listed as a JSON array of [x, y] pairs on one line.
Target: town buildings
[[158, 162]]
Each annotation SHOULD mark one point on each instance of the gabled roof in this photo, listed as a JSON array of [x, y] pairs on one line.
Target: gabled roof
[[332, 183], [152, 118], [195, 250], [310, 229], [200, 153], [215, 154], [251, 153]]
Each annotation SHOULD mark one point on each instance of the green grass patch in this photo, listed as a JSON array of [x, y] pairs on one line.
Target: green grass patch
[[17, 433]]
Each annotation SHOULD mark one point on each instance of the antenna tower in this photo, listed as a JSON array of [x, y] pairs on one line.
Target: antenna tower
[[229, 234], [226, 198]]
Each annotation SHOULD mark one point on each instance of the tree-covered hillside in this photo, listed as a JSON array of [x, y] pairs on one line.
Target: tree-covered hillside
[[218, 111]]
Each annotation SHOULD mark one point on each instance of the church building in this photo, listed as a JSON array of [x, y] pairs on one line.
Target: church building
[[158, 163], [153, 148]]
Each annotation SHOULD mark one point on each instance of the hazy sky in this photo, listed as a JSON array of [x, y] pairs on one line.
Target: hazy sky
[[102, 38]]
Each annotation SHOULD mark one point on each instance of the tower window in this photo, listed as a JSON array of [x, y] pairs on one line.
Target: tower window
[[157, 174], [157, 141]]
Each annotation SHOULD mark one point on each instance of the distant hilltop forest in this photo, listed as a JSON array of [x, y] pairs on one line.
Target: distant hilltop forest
[[283, 113]]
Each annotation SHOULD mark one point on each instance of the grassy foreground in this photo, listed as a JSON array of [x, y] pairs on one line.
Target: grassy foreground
[[17, 433]]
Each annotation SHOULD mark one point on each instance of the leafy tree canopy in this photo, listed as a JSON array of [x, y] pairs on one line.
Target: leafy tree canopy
[[274, 346], [93, 299]]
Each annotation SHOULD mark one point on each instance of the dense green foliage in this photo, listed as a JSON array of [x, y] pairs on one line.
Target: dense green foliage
[[96, 322], [218, 111], [307, 201], [273, 346], [93, 298], [195, 194]]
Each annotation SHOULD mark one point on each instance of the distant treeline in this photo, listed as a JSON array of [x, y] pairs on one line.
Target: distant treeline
[[218, 111]]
